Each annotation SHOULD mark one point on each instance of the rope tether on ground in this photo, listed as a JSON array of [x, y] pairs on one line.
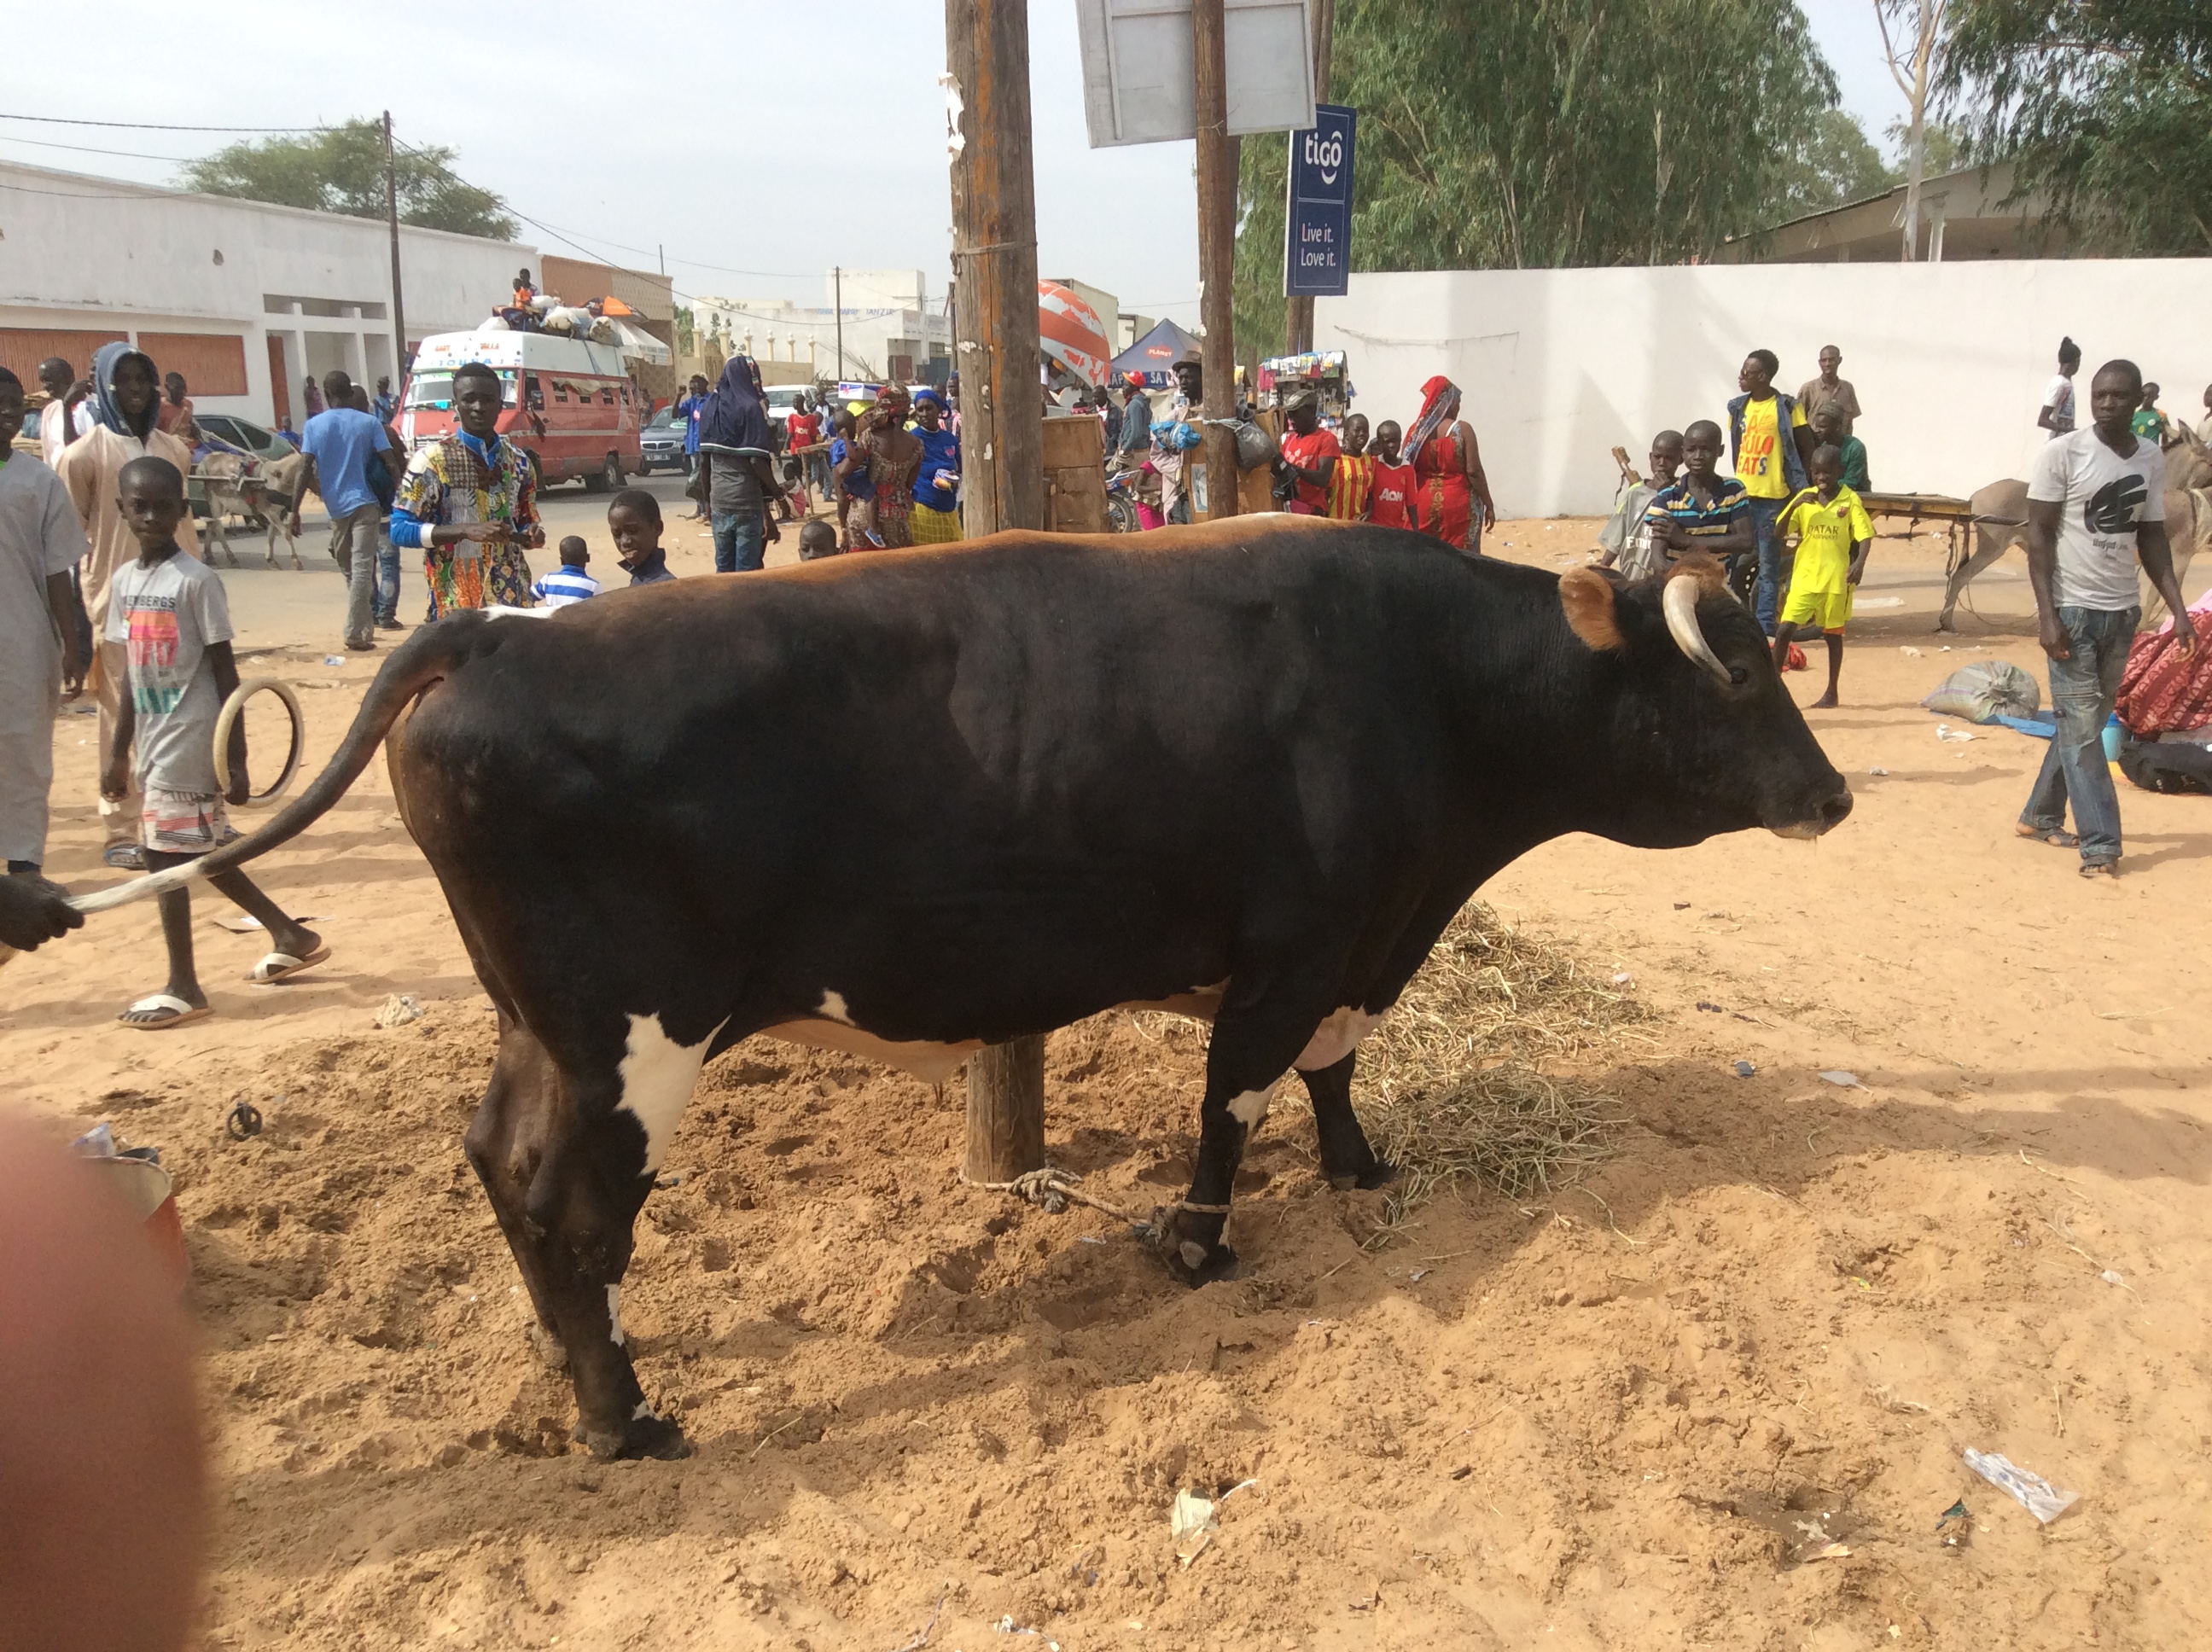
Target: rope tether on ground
[[1053, 1189]]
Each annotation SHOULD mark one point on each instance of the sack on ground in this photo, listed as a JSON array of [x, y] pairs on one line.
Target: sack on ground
[[2160, 766], [1983, 691]]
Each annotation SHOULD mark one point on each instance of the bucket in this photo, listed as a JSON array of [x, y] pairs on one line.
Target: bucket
[[144, 1186]]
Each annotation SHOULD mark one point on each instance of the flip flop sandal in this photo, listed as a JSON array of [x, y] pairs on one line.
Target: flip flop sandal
[[124, 857], [2056, 838], [180, 1012], [2101, 869], [283, 966]]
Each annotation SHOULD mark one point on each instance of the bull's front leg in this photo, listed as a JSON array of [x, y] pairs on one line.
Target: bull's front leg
[[1255, 1041], [567, 1177]]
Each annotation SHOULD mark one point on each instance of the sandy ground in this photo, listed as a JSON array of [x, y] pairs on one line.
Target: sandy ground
[[1627, 1415]]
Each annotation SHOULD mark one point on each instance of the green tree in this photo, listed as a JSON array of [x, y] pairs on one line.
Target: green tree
[[1836, 163], [2104, 108], [341, 169], [683, 332], [1528, 133]]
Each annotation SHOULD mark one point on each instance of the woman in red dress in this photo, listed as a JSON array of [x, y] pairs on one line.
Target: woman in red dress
[[1447, 467]]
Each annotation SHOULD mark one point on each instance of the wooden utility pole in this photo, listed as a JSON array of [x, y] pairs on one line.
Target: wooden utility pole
[[994, 273], [1217, 259], [392, 217], [838, 276], [1300, 308]]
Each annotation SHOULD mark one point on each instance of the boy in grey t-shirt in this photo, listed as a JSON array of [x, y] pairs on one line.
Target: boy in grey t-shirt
[[168, 611], [2096, 507]]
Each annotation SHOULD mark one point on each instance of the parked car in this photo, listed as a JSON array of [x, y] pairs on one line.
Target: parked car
[[661, 444], [245, 435], [567, 403]]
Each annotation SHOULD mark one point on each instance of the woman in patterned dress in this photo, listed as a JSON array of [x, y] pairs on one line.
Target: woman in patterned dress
[[470, 502], [892, 457]]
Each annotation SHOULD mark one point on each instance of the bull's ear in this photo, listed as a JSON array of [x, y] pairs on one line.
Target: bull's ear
[[1587, 596]]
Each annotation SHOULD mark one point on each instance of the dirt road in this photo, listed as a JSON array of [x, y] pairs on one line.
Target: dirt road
[[1654, 1410]]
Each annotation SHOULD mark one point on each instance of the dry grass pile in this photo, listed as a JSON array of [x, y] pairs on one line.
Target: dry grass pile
[[1448, 1086]]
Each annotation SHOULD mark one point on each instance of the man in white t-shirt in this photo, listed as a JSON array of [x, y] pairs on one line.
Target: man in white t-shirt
[[66, 415], [2096, 507]]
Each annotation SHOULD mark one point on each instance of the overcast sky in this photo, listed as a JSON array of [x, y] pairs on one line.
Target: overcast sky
[[804, 136]]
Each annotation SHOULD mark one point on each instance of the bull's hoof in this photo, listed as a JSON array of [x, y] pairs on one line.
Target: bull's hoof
[[1381, 1174], [1196, 1265], [643, 1437]]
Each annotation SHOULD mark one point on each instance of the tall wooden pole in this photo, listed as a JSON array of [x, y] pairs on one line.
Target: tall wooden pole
[[1300, 309], [994, 273], [1217, 255], [392, 217]]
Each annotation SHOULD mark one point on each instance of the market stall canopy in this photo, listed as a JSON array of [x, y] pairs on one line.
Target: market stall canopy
[[1156, 354], [638, 344], [1072, 334]]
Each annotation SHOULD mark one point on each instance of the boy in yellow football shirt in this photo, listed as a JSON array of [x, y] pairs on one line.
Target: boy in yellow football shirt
[[1832, 535]]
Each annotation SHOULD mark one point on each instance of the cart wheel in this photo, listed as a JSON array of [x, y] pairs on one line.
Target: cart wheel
[[229, 715]]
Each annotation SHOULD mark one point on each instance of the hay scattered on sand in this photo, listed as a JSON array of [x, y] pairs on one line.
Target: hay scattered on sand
[[1448, 1087]]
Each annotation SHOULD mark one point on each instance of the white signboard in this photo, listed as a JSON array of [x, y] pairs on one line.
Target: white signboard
[[1139, 84]]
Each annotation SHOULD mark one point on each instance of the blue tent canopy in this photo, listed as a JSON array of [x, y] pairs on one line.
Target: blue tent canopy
[[1156, 354]]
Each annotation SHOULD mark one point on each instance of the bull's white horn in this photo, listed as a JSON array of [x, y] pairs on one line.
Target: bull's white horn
[[1679, 602]]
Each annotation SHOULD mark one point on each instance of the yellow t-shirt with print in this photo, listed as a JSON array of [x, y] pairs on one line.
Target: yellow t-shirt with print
[[1826, 533], [1759, 462]]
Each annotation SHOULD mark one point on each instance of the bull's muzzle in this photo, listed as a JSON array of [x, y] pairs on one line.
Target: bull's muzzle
[[1831, 814]]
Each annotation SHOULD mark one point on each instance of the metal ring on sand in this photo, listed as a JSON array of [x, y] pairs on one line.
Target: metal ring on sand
[[231, 709]]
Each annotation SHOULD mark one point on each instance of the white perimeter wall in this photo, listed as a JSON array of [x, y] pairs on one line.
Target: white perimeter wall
[[1950, 360]]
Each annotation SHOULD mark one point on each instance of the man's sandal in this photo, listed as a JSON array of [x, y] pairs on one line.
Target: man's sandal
[[283, 966], [2057, 837], [2101, 869], [159, 1012]]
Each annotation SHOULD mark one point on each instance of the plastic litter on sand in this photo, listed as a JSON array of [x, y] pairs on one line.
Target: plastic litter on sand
[[1843, 1080], [2033, 1493], [1192, 1524], [1744, 1069]]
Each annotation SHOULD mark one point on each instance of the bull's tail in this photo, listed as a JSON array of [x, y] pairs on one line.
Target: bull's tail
[[428, 656]]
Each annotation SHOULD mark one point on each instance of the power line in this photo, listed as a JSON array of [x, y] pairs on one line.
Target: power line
[[87, 149], [155, 125]]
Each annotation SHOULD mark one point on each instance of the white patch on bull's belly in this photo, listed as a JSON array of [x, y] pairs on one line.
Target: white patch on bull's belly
[[1336, 1038], [501, 610], [932, 1063], [833, 1006], [1251, 1107], [614, 1315], [657, 1076]]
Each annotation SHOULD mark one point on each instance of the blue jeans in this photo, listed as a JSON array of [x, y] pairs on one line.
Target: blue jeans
[[2083, 690], [1767, 599], [740, 541], [387, 579]]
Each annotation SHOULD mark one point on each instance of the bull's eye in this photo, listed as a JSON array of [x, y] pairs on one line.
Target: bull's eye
[[1738, 677]]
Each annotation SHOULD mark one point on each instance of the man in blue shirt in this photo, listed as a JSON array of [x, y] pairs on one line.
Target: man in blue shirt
[[338, 443], [385, 403], [690, 410]]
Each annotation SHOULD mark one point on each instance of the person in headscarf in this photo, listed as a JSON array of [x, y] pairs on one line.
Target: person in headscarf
[[739, 486], [890, 456], [126, 394], [937, 485], [1454, 494]]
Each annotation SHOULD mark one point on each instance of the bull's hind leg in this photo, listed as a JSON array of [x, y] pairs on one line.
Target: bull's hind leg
[[566, 1158], [1346, 1158]]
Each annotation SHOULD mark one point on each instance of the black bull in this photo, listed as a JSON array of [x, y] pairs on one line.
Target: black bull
[[908, 803]]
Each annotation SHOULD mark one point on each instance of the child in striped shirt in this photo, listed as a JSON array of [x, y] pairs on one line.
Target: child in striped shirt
[[1351, 478], [570, 583]]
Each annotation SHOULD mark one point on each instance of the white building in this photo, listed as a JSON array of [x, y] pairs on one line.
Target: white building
[[246, 300], [891, 327]]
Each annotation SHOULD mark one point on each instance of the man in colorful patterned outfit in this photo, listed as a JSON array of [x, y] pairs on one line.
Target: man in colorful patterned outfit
[[471, 503]]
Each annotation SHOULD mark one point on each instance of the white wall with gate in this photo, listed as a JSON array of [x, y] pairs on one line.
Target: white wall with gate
[[1950, 360]]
